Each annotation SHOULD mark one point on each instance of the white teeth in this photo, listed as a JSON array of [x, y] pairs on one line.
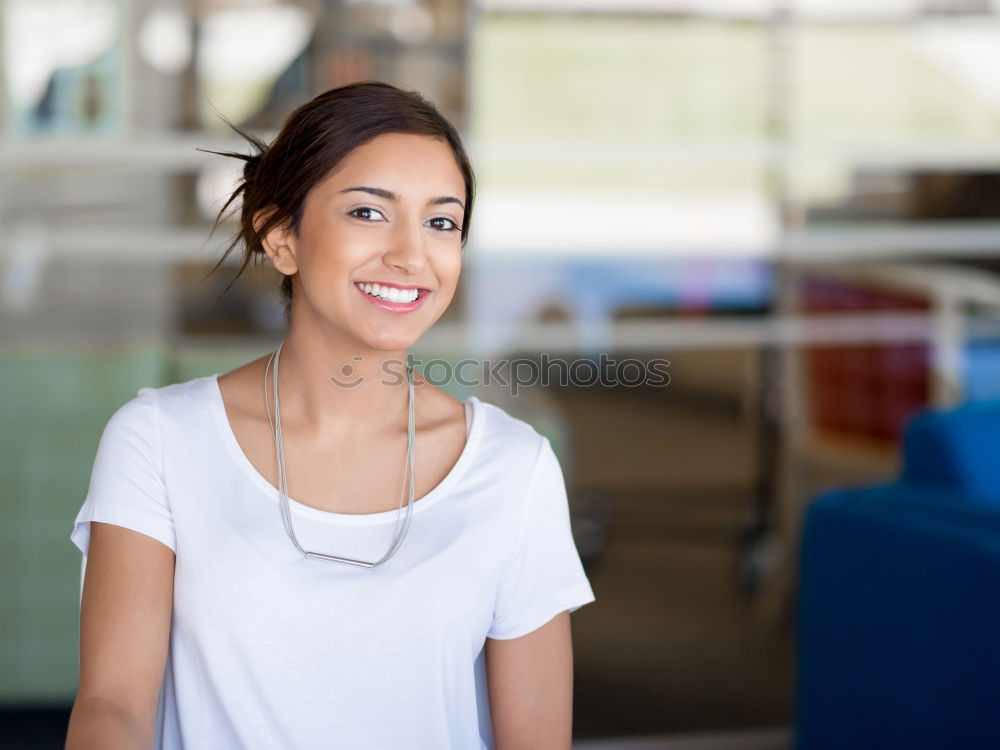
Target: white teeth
[[390, 294]]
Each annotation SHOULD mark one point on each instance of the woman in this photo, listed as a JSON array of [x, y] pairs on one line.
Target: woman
[[247, 550]]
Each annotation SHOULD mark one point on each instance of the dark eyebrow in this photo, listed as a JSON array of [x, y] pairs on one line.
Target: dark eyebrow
[[445, 199], [391, 196]]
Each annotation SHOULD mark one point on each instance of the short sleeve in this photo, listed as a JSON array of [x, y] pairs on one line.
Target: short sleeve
[[126, 484], [545, 575]]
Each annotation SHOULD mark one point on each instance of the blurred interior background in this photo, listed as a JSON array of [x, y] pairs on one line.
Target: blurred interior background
[[795, 202]]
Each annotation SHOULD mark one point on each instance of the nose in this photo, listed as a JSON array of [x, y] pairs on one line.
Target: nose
[[406, 252]]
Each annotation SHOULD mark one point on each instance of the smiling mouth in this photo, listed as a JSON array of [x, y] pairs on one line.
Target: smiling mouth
[[394, 294], [393, 298]]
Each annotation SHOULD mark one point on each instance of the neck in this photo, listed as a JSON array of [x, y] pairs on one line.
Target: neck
[[340, 391]]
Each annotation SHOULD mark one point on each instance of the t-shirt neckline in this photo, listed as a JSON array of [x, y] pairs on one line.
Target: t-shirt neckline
[[437, 492]]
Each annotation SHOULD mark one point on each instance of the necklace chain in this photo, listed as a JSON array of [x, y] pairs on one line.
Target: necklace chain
[[279, 449]]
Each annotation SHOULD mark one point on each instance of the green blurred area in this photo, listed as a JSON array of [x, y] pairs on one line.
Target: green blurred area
[[56, 407]]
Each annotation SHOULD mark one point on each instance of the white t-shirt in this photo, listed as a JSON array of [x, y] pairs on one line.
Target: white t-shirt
[[269, 649]]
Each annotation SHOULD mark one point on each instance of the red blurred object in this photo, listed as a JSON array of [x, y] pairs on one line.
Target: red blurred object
[[863, 391]]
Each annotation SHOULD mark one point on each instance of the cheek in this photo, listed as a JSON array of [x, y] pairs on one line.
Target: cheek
[[448, 263], [334, 252]]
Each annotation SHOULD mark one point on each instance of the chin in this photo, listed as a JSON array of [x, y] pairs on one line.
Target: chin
[[393, 343]]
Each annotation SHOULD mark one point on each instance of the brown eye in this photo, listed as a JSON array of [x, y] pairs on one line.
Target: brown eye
[[454, 227], [368, 209]]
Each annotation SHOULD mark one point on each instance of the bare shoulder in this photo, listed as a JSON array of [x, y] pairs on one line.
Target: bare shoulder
[[243, 387], [440, 409]]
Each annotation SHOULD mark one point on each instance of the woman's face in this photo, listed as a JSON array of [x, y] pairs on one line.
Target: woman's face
[[391, 214]]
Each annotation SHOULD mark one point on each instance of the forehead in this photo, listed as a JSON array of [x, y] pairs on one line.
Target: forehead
[[401, 161]]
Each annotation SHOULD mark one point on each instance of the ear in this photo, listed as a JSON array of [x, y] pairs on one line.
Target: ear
[[278, 243]]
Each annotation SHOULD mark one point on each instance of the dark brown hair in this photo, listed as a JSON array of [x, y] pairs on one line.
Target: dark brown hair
[[315, 138]]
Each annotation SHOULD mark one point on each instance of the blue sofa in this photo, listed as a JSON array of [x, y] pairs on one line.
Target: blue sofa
[[898, 632]]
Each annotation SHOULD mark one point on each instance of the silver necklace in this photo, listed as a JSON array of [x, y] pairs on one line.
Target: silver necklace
[[279, 449]]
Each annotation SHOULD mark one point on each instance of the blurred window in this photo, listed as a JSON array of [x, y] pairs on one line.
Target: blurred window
[[64, 66], [243, 49]]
